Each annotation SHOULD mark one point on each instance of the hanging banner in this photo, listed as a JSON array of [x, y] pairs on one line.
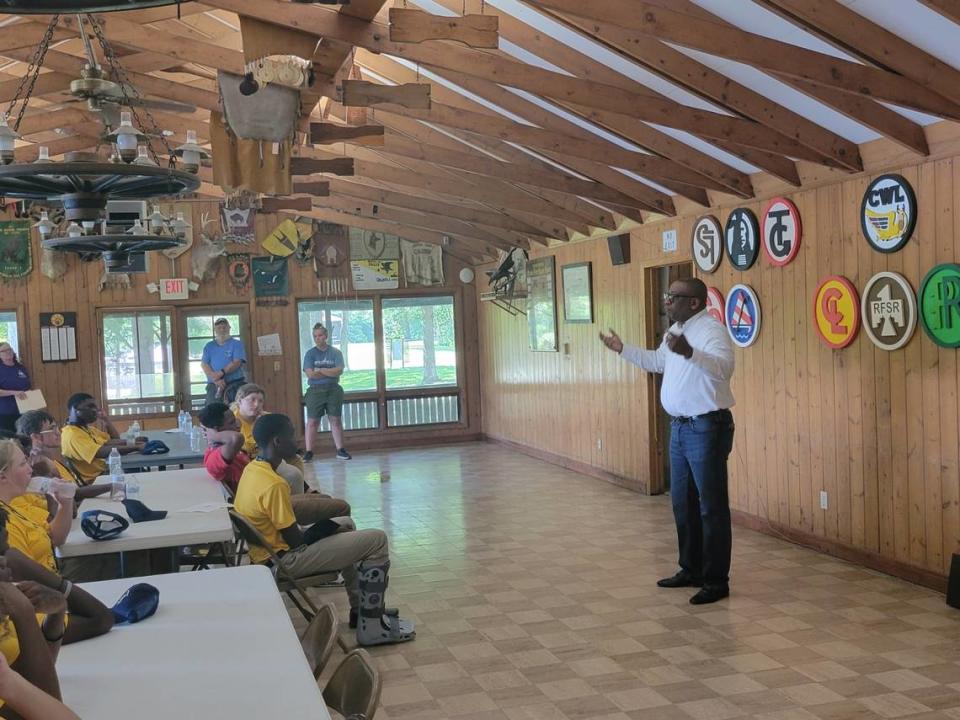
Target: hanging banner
[[283, 241], [373, 245], [238, 270], [271, 281], [238, 216], [16, 256], [422, 263], [375, 274]]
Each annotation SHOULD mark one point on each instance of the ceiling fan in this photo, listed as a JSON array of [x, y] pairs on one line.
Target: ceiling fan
[[100, 93]]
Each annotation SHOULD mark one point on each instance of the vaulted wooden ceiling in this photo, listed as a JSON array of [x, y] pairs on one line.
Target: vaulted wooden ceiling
[[590, 117]]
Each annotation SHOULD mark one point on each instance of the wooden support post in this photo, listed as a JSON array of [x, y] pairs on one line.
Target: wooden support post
[[317, 188], [309, 166], [326, 133], [361, 93], [415, 26]]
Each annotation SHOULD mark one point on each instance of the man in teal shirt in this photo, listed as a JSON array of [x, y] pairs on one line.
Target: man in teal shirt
[[323, 366]]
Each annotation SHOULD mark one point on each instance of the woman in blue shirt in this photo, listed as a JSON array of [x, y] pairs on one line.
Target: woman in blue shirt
[[14, 382]]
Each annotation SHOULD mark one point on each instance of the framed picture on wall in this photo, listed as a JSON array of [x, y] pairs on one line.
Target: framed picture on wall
[[577, 293], [542, 304]]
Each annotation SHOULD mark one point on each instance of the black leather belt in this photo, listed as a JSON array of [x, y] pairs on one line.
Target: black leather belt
[[690, 418]]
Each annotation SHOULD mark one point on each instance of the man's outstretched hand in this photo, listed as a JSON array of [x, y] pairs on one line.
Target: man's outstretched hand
[[679, 345], [612, 341]]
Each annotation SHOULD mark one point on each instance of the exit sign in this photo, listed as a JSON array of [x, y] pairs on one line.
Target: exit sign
[[174, 289]]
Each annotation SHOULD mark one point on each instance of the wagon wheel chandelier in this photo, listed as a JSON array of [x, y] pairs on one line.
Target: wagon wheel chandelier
[[84, 182]]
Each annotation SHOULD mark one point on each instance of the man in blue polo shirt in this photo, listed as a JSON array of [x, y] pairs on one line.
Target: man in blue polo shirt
[[222, 361], [323, 366]]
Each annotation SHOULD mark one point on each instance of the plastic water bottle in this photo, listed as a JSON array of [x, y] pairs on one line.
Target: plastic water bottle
[[51, 486], [196, 439], [180, 421], [132, 487], [117, 485], [134, 430]]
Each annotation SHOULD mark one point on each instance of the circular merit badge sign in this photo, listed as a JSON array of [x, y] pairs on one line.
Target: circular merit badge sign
[[888, 213], [836, 310], [889, 310], [742, 311], [781, 231], [715, 305], [742, 238], [940, 305], [707, 243]]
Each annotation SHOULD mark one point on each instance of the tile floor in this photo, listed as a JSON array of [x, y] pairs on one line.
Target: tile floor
[[533, 591]]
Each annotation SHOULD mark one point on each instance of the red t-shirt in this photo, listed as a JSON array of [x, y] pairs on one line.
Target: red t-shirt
[[226, 472]]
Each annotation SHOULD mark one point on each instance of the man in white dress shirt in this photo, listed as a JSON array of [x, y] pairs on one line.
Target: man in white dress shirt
[[696, 359]]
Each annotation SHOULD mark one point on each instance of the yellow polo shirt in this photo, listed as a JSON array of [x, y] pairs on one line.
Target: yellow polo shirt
[[246, 429], [263, 497], [29, 532], [81, 445], [9, 644]]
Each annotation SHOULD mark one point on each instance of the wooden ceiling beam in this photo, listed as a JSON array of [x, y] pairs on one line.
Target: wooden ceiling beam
[[373, 37], [475, 163], [475, 216], [699, 79], [375, 211], [467, 251], [659, 20], [858, 35], [950, 9]]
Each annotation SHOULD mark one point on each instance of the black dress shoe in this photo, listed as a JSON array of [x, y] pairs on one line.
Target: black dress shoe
[[681, 579], [710, 594]]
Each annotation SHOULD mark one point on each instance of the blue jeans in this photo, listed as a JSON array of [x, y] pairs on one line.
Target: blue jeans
[[698, 489]]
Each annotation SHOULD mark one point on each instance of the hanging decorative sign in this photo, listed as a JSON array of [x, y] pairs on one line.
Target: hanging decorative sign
[[271, 281], [58, 336], [283, 241], [742, 311], [375, 274], [742, 236], [836, 311], [373, 245], [238, 270], [707, 243], [304, 252], [238, 216], [781, 231], [16, 255], [715, 305], [888, 213], [889, 310], [940, 305], [422, 263]]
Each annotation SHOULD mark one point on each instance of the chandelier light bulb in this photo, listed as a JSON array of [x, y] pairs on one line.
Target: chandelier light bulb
[[191, 153], [137, 228], [179, 226], [88, 226], [126, 138], [43, 154], [142, 157], [44, 226], [8, 140], [74, 230]]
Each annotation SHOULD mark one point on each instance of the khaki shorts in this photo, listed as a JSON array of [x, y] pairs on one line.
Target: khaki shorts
[[324, 399]]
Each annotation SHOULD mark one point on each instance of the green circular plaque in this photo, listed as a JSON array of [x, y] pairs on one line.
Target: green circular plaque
[[939, 301]]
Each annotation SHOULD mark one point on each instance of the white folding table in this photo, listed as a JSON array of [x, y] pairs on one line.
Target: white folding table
[[180, 452], [173, 491], [221, 645]]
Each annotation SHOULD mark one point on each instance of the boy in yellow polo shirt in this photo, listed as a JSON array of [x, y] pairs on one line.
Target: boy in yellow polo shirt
[[45, 439], [87, 445], [263, 497]]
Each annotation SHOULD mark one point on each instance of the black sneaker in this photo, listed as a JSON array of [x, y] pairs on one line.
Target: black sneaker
[[308, 456], [343, 455]]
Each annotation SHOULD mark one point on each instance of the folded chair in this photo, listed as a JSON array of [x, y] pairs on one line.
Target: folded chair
[[319, 638], [294, 587], [354, 687]]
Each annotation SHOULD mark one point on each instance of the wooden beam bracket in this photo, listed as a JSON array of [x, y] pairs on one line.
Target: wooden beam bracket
[[322, 133], [415, 26], [310, 166], [362, 93]]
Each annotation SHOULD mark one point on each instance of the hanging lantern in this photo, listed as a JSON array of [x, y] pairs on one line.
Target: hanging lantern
[[191, 153]]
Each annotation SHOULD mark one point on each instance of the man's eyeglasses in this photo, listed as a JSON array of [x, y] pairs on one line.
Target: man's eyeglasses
[[669, 297]]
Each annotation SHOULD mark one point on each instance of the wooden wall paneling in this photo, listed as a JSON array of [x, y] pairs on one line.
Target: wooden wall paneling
[[814, 347], [801, 514], [913, 496], [948, 232], [829, 262], [789, 497], [870, 354], [851, 452], [931, 530]]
